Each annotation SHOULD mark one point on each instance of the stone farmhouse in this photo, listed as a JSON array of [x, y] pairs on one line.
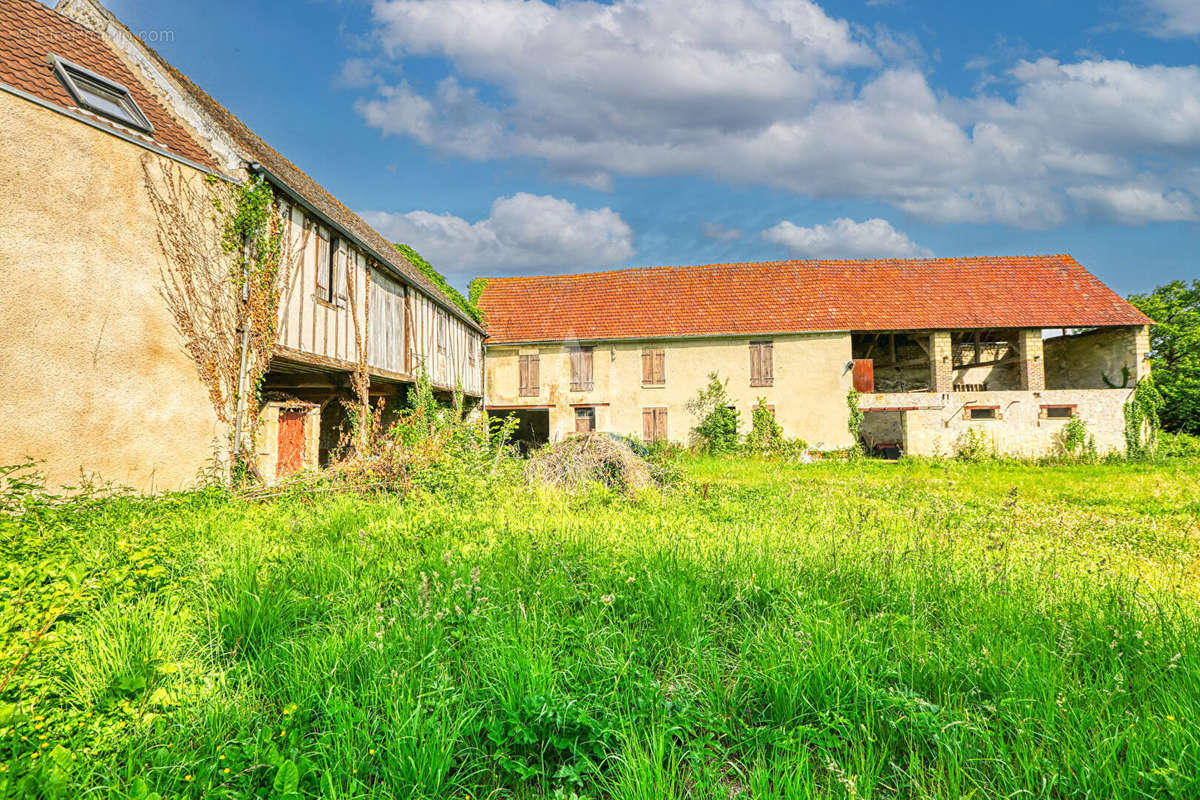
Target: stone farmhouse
[[93, 373], [935, 346], [96, 380]]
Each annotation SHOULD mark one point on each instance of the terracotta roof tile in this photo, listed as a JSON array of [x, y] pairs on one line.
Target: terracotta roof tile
[[30, 32], [797, 296]]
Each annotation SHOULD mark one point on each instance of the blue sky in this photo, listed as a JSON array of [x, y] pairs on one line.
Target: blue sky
[[500, 137]]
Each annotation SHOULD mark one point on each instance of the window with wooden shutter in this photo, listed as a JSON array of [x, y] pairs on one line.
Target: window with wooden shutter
[[762, 367], [581, 369], [324, 264], [528, 366], [654, 372], [654, 425]]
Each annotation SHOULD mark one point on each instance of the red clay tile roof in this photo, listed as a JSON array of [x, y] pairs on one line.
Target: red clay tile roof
[[30, 32], [797, 296]]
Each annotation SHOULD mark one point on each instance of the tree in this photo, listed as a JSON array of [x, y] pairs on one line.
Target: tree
[[717, 429], [1175, 351]]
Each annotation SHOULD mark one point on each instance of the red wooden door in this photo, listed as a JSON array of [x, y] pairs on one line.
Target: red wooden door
[[291, 443], [864, 375]]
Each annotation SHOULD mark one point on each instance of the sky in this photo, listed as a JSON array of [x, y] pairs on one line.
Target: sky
[[507, 137]]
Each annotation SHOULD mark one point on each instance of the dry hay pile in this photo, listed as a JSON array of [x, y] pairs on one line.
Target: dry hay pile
[[579, 460]]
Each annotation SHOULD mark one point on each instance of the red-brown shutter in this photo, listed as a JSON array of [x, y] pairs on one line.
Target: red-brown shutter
[[660, 424], [768, 364], [585, 358], [648, 425], [523, 362], [660, 367], [864, 375], [647, 366], [535, 376]]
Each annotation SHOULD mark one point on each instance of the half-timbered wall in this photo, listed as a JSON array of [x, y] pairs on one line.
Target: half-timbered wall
[[408, 331]]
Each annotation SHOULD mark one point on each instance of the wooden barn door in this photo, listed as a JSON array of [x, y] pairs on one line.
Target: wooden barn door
[[291, 443], [864, 375]]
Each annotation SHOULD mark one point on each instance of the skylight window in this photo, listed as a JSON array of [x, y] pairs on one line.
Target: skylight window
[[101, 95]]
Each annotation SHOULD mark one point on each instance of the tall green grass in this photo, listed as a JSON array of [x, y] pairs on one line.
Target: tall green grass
[[763, 631]]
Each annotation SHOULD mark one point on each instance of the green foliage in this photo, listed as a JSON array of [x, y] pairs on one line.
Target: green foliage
[[716, 430], [765, 435], [974, 445], [1175, 351], [1142, 419], [1075, 440], [439, 280], [855, 420], [786, 630], [475, 291], [1178, 445]]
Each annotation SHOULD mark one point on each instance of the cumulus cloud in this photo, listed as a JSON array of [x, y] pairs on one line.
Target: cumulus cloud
[[777, 93], [845, 238], [526, 232], [1172, 18], [1134, 205]]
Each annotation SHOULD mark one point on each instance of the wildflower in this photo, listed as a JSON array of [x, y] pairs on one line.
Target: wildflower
[[189, 778], [608, 599], [371, 752], [34, 754], [226, 770], [1170, 718]]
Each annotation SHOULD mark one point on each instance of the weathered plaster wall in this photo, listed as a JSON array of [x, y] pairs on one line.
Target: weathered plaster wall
[[1082, 361], [938, 422], [92, 373], [809, 395]]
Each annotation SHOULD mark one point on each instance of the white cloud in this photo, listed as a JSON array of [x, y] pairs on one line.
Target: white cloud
[[720, 232], [1171, 18], [845, 238], [773, 93], [526, 232], [1134, 205]]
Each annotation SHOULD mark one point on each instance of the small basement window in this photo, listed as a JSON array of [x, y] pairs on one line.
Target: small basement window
[[100, 95], [983, 412], [1058, 412]]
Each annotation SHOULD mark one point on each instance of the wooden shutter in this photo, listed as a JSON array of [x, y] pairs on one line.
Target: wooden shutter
[[528, 368], [660, 367], [762, 372], [647, 366], [323, 259], [864, 375], [581, 369], [535, 377], [585, 420], [654, 367], [647, 424], [660, 424]]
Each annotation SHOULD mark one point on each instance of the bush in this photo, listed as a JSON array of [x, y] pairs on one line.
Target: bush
[[1075, 442], [717, 429], [1178, 445], [765, 433], [973, 445]]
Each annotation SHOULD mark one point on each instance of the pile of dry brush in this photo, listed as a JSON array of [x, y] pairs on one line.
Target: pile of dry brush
[[593, 457]]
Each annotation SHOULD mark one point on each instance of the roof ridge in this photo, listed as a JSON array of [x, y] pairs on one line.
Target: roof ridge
[[780, 262]]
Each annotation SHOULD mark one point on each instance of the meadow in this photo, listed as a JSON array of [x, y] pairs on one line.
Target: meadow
[[758, 630]]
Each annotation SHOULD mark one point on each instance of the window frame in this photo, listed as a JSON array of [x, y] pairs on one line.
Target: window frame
[[530, 388], [765, 377], [585, 412], [71, 74], [658, 432], [993, 416], [578, 355], [1071, 409], [657, 362]]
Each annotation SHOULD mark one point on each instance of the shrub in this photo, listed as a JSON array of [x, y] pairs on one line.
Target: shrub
[[765, 435], [1178, 445], [717, 429], [973, 445], [1075, 442]]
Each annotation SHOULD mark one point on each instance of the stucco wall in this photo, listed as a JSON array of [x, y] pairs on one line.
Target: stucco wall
[[809, 395], [92, 373], [1082, 361], [938, 422]]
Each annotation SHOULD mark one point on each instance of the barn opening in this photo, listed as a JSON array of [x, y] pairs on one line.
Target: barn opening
[[532, 426]]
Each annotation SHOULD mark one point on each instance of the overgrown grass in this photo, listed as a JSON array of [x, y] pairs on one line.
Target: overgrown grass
[[764, 630]]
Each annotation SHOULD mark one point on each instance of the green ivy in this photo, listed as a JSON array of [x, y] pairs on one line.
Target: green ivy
[[475, 291], [1141, 419], [854, 422], [439, 280]]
